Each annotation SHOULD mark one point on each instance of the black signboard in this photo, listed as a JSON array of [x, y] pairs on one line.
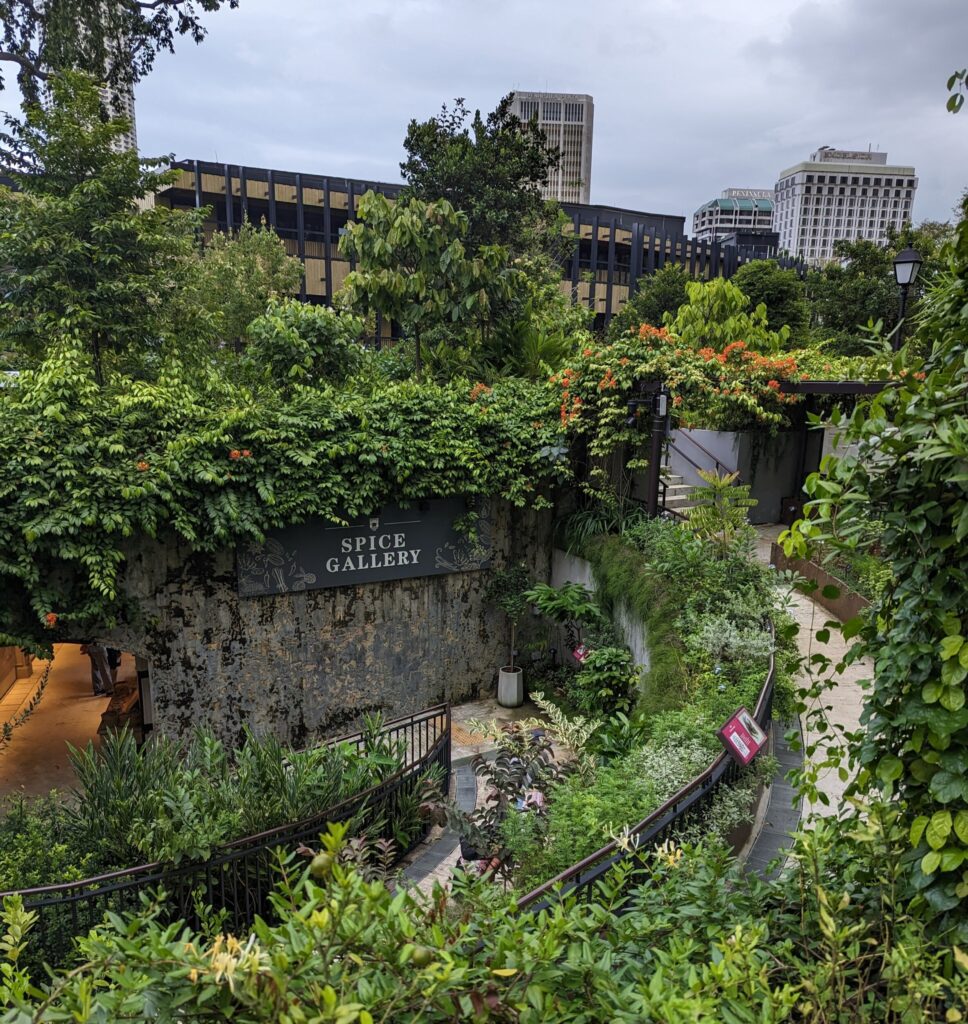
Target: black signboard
[[392, 544]]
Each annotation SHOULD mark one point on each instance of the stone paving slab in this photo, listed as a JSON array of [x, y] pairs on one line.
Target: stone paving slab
[[786, 811]]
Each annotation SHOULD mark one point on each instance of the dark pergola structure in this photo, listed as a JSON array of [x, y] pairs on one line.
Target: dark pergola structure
[[812, 389]]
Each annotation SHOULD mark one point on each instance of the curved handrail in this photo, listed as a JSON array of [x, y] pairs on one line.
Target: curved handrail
[[656, 821], [223, 852]]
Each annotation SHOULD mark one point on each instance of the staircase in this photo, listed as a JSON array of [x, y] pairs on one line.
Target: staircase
[[677, 493]]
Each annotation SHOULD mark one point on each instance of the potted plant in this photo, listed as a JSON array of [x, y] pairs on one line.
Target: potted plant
[[507, 592]]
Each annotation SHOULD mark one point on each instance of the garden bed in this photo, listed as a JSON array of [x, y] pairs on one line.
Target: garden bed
[[672, 642], [372, 781], [846, 604]]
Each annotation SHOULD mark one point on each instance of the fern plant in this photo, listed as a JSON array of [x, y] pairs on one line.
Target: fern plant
[[720, 513]]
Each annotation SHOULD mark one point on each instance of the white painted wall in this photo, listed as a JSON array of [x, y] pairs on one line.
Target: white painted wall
[[568, 568]]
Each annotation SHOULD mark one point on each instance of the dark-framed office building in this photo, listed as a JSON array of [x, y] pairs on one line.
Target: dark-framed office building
[[615, 247]]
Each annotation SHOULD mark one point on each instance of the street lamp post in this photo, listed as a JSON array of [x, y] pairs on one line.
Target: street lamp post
[[907, 263]]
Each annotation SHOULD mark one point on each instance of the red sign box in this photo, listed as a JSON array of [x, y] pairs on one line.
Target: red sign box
[[742, 736]]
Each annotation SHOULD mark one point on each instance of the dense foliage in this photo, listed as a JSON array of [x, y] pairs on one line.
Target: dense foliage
[[655, 296], [179, 800], [636, 737], [87, 468], [79, 262], [781, 292], [411, 266], [489, 168], [858, 290], [909, 474], [697, 941]]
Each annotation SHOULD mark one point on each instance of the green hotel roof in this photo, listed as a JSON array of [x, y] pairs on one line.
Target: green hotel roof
[[766, 205]]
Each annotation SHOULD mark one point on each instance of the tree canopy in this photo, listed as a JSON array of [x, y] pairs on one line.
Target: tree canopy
[[655, 295], [412, 265], [78, 258], [782, 292], [491, 169], [115, 41]]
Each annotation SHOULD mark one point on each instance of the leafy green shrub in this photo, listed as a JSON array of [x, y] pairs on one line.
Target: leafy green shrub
[[716, 638], [605, 684], [300, 343], [38, 844], [173, 801], [582, 817], [691, 938]]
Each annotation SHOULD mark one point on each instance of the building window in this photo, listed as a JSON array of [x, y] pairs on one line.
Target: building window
[[551, 111]]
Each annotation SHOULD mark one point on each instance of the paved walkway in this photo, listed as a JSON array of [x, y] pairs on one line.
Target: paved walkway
[[436, 857], [843, 704], [35, 760]]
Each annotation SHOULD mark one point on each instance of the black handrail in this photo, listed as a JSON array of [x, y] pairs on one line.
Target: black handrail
[[688, 437], [238, 878], [661, 824]]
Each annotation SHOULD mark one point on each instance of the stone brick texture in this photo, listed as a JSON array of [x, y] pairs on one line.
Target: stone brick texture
[[310, 664]]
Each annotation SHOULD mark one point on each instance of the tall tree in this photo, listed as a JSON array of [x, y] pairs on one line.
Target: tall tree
[[78, 257], [859, 286], [115, 41], [659, 293], [782, 292], [240, 274], [491, 169], [412, 266]]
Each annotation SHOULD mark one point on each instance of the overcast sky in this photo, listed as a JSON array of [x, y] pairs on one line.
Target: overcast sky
[[691, 96]]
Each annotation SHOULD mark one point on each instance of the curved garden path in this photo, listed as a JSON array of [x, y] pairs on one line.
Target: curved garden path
[[843, 704]]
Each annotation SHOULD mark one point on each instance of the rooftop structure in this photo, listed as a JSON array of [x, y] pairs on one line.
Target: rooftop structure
[[738, 209], [841, 194]]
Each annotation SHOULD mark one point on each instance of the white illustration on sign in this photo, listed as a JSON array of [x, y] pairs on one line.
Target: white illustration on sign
[[269, 567]]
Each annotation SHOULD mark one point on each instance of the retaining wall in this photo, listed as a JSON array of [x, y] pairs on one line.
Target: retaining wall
[[310, 663]]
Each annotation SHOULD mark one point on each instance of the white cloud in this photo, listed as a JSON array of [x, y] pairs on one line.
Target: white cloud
[[690, 97]]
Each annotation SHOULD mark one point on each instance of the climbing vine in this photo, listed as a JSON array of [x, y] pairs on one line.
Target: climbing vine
[[911, 474], [87, 472]]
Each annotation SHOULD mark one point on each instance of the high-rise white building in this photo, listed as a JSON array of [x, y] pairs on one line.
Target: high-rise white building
[[120, 100], [840, 194], [737, 209], [567, 120]]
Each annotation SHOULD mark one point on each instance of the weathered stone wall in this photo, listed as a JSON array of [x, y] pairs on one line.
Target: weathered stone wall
[[311, 663]]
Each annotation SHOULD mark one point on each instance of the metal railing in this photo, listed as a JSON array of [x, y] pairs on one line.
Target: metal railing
[[236, 881], [684, 435], [683, 808]]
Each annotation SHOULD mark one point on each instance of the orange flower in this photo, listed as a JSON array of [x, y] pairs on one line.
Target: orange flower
[[677, 401], [773, 384], [235, 454], [50, 620], [246, 454], [623, 361], [586, 352], [920, 375], [142, 465], [480, 388]]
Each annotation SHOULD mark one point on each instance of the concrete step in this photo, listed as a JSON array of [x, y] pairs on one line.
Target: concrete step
[[678, 502]]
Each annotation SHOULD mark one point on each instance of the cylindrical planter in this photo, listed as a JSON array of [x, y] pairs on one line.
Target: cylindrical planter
[[510, 687]]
